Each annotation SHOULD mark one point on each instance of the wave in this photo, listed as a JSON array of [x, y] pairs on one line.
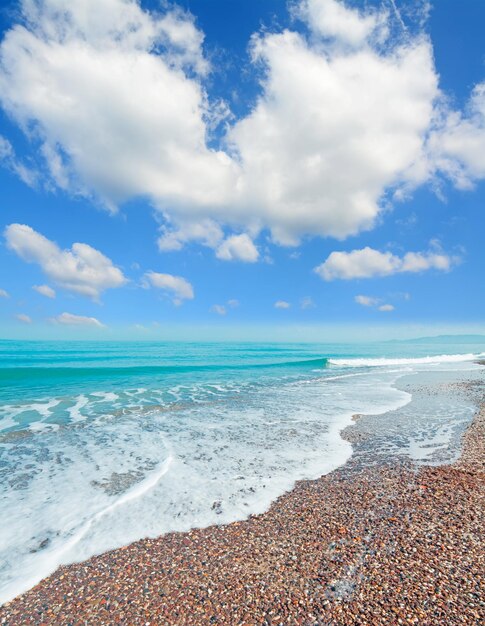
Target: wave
[[13, 374], [379, 362]]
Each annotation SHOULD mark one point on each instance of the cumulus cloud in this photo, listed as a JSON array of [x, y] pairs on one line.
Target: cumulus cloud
[[82, 269], [4, 294], [178, 287], [366, 300], [131, 119], [69, 319], [349, 115], [206, 232], [368, 263], [233, 303], [386, 308], [22, 317], [238, 248], [331, 18], [282, 304], [317, 156], [45, 290]]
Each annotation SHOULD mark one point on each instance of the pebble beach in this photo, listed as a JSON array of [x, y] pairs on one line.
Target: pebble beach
[[370, 543]]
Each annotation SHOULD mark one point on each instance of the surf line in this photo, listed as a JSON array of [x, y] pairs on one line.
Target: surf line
[[136, 492], [54, 559]]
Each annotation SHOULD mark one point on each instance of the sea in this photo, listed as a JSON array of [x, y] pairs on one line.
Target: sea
[[105, 443]]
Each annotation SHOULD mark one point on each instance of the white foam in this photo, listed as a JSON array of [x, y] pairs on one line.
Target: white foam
[[14, 412], [44, 408], [427, 360], [106, 396], [7, 422], [75, 410], [39, 426]]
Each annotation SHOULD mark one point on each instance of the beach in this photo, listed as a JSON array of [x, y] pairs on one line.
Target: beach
[[377, 541], [242, 331]]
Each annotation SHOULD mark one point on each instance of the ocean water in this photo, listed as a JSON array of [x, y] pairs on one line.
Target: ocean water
[[102, 444]]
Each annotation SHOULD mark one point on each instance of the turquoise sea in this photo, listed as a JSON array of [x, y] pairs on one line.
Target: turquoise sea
[[102, 444]]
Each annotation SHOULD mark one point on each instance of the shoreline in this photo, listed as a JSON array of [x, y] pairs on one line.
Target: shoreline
[[387, 543]]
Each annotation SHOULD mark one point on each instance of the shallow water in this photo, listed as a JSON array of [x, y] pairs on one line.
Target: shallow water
[[429, 429], [103, 444]]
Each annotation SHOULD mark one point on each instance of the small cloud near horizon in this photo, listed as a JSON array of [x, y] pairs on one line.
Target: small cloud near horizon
[[372, 302], [22, 317], [282, 304], [69, 319], [179, 287]]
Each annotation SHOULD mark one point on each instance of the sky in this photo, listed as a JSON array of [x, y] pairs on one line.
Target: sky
[[241, 169]]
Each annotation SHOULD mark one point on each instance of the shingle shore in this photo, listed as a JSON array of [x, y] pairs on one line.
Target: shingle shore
[[375, 545]]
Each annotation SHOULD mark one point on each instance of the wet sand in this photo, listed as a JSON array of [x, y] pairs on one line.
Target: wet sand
[[366, 544]]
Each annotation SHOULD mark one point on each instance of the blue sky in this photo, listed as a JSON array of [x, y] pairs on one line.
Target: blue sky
[[229, 168]]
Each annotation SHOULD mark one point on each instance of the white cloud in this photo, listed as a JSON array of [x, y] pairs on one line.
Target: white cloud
[[366, 300], [282, 304], [345, 119], [458, 147], [69, 319], [313, 156], [22, 317], [45, 290], [179, 287], [238, 248], [335, 127], [207, 232], [233, 303], [367, 263], [331, 18], [82, 269], [4, 294], [130, 120], [370, 301], [422, 261]]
